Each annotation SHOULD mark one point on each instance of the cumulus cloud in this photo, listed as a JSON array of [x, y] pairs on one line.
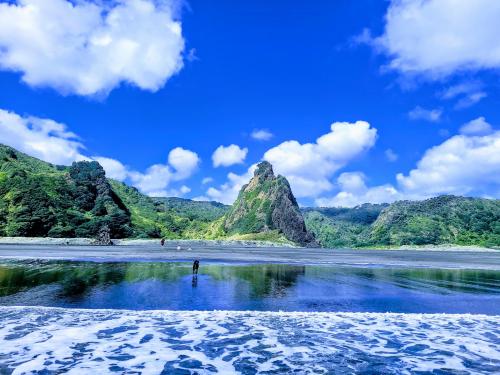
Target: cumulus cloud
[[52, 142], [309, 166], [185, 162], [436, 38], [460, 165], [391, 155], [229, 155], [353, 192], [42, 138], [419, 113], [90, 47], [114, 168], [465, 164], [228, 192], [261, 134], [181, 164], [478, 126]]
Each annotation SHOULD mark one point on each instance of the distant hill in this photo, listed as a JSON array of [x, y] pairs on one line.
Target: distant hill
[[343, 227], [39, 199], [440, 220], [170, 217]]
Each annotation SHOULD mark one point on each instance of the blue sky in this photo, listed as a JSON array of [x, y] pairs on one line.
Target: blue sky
[[411, 88]]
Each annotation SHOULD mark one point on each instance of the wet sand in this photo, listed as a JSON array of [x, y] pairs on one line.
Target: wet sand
[[449, 258]]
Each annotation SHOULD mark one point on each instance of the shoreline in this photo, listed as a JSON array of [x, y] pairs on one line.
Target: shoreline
[[186, 243], [449, 259]]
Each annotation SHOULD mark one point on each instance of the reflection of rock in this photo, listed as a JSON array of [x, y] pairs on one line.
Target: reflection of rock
[[103, 237], [271, 280]]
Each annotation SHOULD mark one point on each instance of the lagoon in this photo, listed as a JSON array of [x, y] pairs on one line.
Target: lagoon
[[261, 287]]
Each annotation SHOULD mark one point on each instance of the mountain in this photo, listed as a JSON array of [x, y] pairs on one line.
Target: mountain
[[440, 220], [265, 204], [41, 199]]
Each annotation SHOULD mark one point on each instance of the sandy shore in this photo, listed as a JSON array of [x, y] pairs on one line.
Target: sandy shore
[[133, 242], [450, 258]]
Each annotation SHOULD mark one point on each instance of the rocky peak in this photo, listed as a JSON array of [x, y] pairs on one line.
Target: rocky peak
[[267, 203], [264, 170]]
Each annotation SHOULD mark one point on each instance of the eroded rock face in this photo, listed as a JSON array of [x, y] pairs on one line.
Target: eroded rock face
[[103, 237], [267, 203]]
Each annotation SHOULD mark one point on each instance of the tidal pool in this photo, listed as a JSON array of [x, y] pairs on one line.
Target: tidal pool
[[264, 287]]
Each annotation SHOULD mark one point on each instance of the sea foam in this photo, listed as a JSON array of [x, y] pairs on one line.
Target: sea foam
[[77, 341]]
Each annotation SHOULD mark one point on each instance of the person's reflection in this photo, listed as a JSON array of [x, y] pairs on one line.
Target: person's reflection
[[194, 282]]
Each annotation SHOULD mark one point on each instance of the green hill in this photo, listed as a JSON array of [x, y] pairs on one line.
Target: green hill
[[267, 204], [39, 199], [440, 220], [342, 227]]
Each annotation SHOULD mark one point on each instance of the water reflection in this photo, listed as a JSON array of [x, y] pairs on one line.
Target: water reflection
[[143, 285]]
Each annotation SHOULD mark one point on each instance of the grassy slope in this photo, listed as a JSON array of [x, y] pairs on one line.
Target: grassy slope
[[170, 217], [38, 199], [440, 220]]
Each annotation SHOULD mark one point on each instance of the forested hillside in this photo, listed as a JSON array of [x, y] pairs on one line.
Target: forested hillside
[[41, 199], [38, 199], [440, 220]]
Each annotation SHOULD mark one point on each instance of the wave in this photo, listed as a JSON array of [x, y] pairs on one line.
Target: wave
[[79, 341]]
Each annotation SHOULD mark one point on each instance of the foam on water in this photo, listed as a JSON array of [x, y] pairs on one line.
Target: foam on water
[[78, 341]]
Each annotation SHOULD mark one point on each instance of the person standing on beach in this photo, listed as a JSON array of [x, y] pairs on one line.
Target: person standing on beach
[[196, 265]]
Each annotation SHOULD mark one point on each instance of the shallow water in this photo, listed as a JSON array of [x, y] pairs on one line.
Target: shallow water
[[170, 286]]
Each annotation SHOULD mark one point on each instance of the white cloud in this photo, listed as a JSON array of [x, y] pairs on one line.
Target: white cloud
[[230, 155], [310, 166], [261, 134], [419, 113], [183, 190], [460, 165], [52, 142], [467, 164], [207, 180], [114, 168], [355, 192], [41, 138], [182, 164], [478, 126], [391, 155], [468, 94], [228, 192], [90, 47], [185, 162], [436, 38], [154, 181]]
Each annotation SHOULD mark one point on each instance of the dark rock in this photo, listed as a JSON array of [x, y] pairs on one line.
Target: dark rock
[[267, 203], [103, 237]]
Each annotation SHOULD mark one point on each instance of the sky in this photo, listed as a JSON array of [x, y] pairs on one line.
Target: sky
[[352, 101]]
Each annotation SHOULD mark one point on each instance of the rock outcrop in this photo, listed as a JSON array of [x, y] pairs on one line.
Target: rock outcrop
[[267, 203]]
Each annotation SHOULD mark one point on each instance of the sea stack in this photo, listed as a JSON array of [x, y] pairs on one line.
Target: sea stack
[[267, 203]]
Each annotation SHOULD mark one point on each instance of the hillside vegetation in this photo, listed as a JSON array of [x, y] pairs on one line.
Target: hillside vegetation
[[41, 199], [38, 199], [440, 220], [267, 204]]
